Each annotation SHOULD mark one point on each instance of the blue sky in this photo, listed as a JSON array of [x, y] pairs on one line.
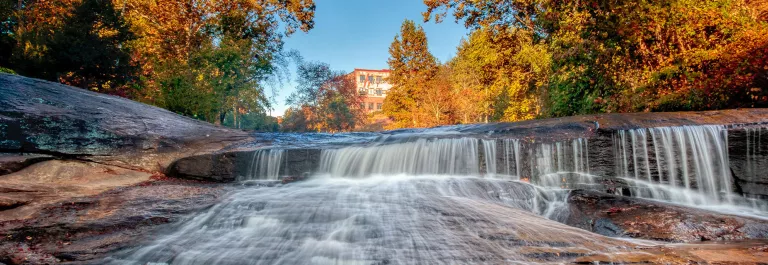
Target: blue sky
[[357, 34]]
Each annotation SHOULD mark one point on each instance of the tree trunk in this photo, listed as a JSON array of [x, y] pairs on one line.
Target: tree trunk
[[222, 115], [234, 117]]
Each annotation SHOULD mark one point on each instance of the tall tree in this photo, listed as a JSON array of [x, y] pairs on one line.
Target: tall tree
[[206, 59], [75, 42], [228, 49], [324, 100], [437, 99], [503, 72], [412, 66], [89, 52], [8, 24]]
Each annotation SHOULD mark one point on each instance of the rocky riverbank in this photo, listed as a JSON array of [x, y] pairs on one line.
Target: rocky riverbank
[[84, 175]]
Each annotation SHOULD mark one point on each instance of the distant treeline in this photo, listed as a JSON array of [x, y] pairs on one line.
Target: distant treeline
[[524, 59], [205, 59], [528, 59]]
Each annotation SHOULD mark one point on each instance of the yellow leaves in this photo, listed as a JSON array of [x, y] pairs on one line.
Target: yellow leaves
[[104, 32]]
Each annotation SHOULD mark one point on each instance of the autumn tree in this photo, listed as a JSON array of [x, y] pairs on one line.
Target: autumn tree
[[324, 100], [503, 72], [233, 46], [8, 24], [413, 67], [437, 99], [620, 56], [79, 43], [296, 119], [206, 59]]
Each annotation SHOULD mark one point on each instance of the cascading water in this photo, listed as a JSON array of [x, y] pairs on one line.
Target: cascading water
[[561, 164], [441, 201], [423, 156], [392, 219], [686, 165], [425, 201], [754, 148], [462, 156], [265, 165], [512, 156]]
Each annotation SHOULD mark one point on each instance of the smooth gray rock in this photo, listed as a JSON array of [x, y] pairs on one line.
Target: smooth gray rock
[[49, 118]]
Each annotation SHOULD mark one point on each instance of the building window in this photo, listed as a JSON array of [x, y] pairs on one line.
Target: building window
[[370, 106], [362, 79], [378, 80], [378, 106], [378, 92], [370, 79]]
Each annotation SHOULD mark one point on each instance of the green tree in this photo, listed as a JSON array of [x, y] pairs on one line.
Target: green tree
[[502, 73], [8, 23], [328, 100], [413, 67], [205, 59], [88, 50], [78, 43]]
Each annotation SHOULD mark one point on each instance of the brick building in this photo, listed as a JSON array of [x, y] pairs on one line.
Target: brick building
[[372, 85]]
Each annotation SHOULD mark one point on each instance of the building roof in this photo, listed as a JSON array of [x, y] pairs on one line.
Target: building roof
[[372, 70]]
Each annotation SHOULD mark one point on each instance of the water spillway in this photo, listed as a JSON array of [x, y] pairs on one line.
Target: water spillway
[[395, 219], [687, 165], [265, 165], [448, 199]]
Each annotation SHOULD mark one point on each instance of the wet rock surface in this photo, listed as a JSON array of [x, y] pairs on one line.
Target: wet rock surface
[[748, 155], [231, 166], [735, 252], [619, 216], [81, 172], [10, 163], [82, 229]]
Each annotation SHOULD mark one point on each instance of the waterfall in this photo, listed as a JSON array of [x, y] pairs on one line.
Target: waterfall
[[562, 164], [558, 164], [754, 148], [512, 157], [423, 156], [265, 165], [489, 153], [687, 165]]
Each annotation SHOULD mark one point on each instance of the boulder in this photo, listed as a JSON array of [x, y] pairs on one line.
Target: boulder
[[620, 216], [233, 165], [82, 230], [81, 171], [10, 163], [42, 117]]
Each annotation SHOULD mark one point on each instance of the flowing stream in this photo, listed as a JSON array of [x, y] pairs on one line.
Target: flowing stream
[[445, 201]]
